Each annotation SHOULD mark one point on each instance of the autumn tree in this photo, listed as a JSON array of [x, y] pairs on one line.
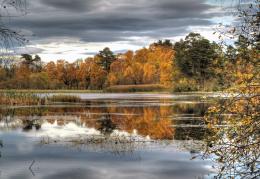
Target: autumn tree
[[39, 81], [129, 75], [150, 73], [84, 73], [2, 74], [151, 65], [236, 144], [98, 75], [51, 70], [163, 56], [62, 74], [22, 76], [117, 69], [128, 68]]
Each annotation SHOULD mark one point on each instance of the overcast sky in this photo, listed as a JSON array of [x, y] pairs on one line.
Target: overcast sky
[[72, 29]]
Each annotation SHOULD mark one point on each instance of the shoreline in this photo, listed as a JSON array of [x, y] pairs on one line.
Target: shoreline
[[102, 91]]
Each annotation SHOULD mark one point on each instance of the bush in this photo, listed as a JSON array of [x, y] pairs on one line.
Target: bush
[[39, 81], [64, 98], [185, 85]]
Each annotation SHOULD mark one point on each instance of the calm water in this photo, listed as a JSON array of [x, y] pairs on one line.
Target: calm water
[[106, 136]]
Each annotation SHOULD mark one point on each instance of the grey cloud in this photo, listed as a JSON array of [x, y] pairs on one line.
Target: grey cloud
[[30, 50], [70, 5], [89, 53], [114, 20]]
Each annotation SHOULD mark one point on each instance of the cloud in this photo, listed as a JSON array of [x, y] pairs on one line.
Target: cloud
[[69, 5], [28, 50], [113, 20], [22, 50], [110, 21]]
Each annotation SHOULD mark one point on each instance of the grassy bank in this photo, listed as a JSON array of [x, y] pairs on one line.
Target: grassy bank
[[23, 98], [48, 91], [111, 89], [136, 88]]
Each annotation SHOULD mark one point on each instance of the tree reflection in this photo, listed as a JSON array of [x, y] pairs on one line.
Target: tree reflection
[[147, 121], [165, 122], [1, 146], [106, 125], [31, 124]]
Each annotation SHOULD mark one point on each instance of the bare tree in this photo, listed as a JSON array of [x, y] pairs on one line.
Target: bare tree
[[8, 10], [247, 23]]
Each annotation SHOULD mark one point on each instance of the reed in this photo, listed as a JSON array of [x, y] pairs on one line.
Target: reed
[[18, 98], [45, 91]]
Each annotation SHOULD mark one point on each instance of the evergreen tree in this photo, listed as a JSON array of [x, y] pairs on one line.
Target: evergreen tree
[[106, 58], [195, 56]]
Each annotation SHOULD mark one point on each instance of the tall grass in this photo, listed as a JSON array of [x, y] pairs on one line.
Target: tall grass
[[22, 98], [51, 91], [18, 98]]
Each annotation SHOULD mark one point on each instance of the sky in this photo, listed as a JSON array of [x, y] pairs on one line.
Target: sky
[[74, 29]]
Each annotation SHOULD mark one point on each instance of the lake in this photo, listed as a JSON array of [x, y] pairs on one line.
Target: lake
[[107, 136]]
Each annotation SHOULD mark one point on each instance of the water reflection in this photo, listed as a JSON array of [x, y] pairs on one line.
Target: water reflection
[[182, 121], [58, 162], [123, 137], [30, 124]]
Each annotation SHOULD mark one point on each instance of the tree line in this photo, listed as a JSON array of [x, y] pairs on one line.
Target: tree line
[[193, 63]]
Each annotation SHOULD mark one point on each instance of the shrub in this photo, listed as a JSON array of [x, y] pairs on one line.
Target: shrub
[[185, 85], [64, 98]]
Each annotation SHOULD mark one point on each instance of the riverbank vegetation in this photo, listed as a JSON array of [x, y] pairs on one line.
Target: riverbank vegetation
[[47, 91], [192, 64], [26, 98], [64, 98], [137, 88], [16, 98]]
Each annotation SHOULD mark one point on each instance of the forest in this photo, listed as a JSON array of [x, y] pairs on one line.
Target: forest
[[191, 64]]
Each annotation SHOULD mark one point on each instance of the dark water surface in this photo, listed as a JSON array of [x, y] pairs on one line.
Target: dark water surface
[[106, 136]]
